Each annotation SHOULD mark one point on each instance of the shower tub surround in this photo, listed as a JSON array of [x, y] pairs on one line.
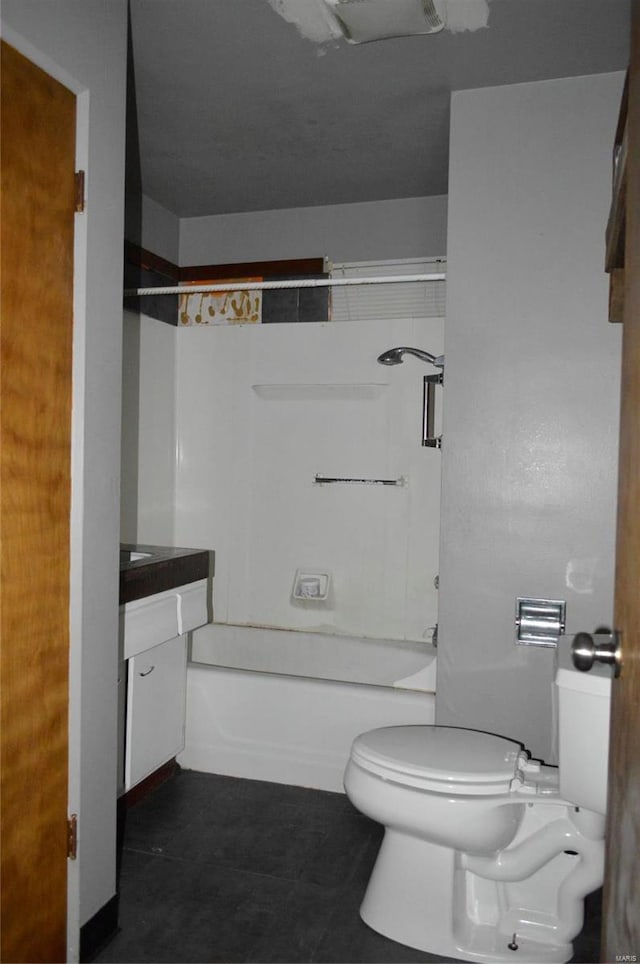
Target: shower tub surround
[[285, 706], [263, 413]]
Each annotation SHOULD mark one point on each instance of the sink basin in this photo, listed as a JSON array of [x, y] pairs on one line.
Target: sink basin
[[128, 555]]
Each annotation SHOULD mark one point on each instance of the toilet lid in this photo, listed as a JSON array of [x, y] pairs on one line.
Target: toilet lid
[[443, 759]]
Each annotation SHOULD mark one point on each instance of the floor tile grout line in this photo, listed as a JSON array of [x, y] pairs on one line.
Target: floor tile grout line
[[228, 868]]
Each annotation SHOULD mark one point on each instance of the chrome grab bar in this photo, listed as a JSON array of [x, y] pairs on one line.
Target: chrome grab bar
[[428, 411]]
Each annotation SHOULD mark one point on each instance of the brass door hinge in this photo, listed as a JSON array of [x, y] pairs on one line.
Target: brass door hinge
[[72, 836], [79, 192]]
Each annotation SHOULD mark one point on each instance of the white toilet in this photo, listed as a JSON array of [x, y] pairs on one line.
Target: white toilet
[[487, 855]]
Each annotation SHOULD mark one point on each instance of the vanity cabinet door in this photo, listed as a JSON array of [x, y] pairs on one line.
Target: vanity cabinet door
[[155, 708]]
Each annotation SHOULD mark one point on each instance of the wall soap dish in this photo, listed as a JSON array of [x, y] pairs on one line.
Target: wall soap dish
[[311, 585]]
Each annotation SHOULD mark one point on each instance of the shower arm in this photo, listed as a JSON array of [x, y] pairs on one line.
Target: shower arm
[[394, 356]]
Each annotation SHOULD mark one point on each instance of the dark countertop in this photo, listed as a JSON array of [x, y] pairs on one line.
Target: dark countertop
[[164, 568]]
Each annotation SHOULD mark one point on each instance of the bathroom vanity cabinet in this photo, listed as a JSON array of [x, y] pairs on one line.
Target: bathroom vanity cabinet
[[155, 708], [154, 627]]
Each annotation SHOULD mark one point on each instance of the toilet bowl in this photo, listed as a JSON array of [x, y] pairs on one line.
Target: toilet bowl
[[487, 856]]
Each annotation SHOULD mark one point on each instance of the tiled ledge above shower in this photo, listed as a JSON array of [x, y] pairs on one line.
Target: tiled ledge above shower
[[290, 305], [146, 570]]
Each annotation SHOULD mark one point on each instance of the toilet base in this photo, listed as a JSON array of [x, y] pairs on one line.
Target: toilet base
[[420, 897]]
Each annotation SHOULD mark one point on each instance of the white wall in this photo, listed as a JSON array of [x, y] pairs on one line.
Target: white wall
[[407, 228], [160, 230], [531, 394], [84, 46], [148, 431]]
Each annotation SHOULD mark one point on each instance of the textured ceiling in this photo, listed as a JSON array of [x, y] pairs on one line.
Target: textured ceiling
[[237, 111]]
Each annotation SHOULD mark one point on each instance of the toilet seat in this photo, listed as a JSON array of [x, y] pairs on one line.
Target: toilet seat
[[440, 759]]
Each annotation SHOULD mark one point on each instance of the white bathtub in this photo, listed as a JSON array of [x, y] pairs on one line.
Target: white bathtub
[[286, 706]]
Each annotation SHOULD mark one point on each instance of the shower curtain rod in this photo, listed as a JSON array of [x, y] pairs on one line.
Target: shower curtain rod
[[188, 289]]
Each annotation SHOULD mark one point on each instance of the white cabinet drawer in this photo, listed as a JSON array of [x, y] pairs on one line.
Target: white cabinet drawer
[[192, 606], [155, 619], [148, 622]]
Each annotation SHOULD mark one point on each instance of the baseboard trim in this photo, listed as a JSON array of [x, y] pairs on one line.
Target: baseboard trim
[[149, 784], [99, 930]]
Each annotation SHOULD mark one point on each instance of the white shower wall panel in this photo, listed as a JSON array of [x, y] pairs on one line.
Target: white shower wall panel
[[148, 430], [260, 411]]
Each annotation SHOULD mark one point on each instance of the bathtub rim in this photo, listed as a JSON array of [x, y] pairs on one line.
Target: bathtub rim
[[421, 679]]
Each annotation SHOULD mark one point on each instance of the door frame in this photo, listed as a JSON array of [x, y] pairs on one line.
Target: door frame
[[621, 911], [82, 288]]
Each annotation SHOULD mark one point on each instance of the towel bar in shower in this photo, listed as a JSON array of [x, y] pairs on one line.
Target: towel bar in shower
[[326, 480]]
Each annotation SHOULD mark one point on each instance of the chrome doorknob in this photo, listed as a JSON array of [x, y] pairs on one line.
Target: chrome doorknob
[[587, 650]]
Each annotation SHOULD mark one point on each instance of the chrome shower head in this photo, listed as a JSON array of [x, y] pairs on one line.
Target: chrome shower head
[[394, 356]]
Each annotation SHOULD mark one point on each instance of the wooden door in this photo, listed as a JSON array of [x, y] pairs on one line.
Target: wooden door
[[38, 155], [621, 934]]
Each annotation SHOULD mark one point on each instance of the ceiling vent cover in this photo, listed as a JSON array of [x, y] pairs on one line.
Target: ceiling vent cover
[[362, 21]]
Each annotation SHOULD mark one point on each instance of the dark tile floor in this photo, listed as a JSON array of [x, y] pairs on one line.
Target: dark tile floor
[[219, 869]]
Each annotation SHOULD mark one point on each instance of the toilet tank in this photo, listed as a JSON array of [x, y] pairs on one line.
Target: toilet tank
[[584, 701]]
